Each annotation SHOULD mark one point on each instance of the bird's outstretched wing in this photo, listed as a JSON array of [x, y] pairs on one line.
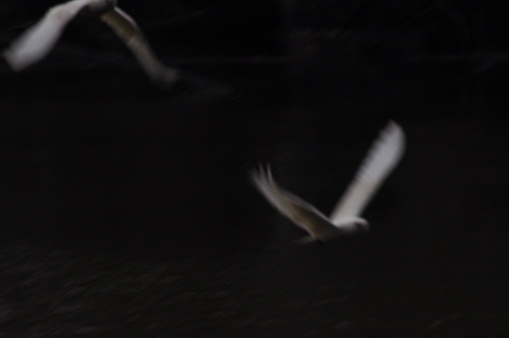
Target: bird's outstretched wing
[[129, 32], [35, 43], [298, 211], [379, 162]]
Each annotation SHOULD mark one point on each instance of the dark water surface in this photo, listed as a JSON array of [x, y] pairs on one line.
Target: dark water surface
[[128, 212]]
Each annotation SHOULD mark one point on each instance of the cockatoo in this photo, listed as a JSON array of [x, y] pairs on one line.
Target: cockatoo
[[37, 41], [345, 219]]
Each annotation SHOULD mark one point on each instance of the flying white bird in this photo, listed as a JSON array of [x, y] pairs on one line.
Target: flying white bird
[[36, 42], [345, 219]]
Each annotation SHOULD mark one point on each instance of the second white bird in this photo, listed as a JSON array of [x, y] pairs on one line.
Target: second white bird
[[345, 219]]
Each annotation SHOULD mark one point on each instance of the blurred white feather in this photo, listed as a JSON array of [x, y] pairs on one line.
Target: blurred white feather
[[128, 31], [37, 41], [345, 219]]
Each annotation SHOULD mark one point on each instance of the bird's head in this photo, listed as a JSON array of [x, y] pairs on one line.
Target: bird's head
[[361, 225], [355, 224]]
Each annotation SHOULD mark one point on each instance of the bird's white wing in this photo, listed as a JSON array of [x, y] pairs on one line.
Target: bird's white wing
[[35, 43], [129, 32], [298, 211], [379, 162]]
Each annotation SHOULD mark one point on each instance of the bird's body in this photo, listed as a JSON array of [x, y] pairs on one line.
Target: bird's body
[[345, 219], [37, 41]]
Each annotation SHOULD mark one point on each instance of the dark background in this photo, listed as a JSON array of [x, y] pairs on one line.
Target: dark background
[[127, 211]]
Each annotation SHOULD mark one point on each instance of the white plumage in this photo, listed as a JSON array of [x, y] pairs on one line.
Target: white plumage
[[345, 219], [37, 41]]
